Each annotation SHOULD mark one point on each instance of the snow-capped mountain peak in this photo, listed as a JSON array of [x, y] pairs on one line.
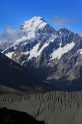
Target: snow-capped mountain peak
[[51, 54], [33, 26], [38, 36], [34, 23], [35, 29]]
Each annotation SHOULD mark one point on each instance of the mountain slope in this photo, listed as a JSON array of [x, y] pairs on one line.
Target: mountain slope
[[50, 54], [14, 76]]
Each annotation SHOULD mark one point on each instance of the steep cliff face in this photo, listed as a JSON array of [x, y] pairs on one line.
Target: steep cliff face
[[52, 107]]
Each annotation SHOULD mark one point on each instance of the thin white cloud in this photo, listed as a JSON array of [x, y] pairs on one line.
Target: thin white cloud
[[80, 34], [11, 34], [61, 21], [53, 37]]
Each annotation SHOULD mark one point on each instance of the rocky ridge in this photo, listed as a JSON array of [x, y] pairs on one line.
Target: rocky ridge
[[52, 107]]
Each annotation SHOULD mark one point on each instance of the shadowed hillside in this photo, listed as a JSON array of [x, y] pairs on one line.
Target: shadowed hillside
[[17, 77]]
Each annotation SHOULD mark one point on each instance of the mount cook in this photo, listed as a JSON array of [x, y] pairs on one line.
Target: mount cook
[[53, 55]]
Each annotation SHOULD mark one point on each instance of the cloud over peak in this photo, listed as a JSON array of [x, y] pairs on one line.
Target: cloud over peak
[[11, 34], [80, 34]]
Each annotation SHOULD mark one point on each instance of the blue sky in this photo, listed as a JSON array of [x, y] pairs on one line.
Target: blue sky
[[58, 13]]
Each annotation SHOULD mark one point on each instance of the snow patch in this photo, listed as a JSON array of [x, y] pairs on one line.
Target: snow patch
[[52, 38], [9, 54], [80, 51], [23, 62], [16, 43], [34, 52], [60, 44], [61, 50], [44, 46], [25, 53]]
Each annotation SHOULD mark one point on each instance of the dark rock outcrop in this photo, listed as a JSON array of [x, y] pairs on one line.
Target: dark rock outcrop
[[16, 117]]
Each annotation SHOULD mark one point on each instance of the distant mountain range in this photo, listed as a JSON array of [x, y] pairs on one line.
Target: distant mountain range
[[53, 55]]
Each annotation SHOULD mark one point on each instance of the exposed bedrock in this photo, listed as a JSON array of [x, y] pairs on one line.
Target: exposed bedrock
[[52, 107]]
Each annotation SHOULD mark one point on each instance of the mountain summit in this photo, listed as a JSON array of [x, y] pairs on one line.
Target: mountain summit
[[50, 54], [32, 26], [35, 32], [34, 23]]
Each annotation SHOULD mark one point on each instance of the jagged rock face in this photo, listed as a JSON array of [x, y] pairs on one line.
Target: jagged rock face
[[52, 107], [50, 54]]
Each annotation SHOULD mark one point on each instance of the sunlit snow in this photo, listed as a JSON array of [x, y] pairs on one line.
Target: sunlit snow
[[9, 54], [19, 41], [34, 23], [31, 26], [34, 52], [61, 50], [80, 51]]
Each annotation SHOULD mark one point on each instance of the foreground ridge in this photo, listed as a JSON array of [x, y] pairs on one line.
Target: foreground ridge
[[14, 117], [59, 107]]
